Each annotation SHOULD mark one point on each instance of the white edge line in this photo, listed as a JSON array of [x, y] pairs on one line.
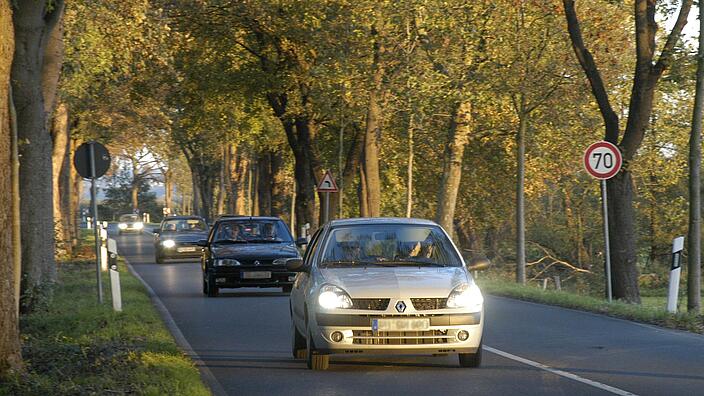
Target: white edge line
[[207, 375], [561, 373]]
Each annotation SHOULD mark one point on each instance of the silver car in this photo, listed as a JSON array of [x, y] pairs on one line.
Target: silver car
[[384, 286]]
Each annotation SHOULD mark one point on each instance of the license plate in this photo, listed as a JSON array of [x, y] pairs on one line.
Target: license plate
[[401, 324], [256, 275], [186, 249]]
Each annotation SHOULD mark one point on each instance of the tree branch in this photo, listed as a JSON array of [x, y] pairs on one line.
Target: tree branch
[[666, 54]]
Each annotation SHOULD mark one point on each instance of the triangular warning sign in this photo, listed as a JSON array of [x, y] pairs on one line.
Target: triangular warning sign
[[327, 184]]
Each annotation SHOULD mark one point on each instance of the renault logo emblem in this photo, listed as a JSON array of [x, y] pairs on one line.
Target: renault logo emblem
[[400, 306], [256, 262]]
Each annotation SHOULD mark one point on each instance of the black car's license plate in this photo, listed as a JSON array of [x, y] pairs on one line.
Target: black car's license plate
[[256, 275]]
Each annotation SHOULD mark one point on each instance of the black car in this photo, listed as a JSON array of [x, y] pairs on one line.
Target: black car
[[178, 237], [247, 252]]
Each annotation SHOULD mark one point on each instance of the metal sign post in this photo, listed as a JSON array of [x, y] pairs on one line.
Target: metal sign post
[[91, 161], [603, 160], [675, 269], [327, 185]]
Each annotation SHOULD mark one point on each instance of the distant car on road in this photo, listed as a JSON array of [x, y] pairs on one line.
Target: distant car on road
[[178, 236], [129, 223], [385, 286], [243, 251]]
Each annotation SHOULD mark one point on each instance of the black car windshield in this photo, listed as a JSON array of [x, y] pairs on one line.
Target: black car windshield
[[184, 225], [252, 231], [389, 245]]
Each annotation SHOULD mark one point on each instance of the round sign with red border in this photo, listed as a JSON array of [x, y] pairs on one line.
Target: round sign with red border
[[603, 160]]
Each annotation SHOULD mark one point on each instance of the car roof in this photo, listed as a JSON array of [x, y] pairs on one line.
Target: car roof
[[183, 218], [241, 217], [381, 220]]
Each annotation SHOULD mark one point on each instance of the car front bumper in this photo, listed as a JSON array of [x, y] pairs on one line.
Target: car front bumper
[[181, 251], [259, 276], [360, 337]]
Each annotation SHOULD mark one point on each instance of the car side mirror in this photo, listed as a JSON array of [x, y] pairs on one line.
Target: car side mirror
[[302, 241], [478, 263], [156, 231], [202, 243], [294, 264]]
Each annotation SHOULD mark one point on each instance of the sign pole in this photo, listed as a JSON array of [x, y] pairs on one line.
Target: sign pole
[[94, 199], [327, 207], [607, 248]]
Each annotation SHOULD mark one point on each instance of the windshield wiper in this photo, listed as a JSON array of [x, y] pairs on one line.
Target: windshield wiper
[[265, 240], [351, 263], [229, 241], [416, 263]]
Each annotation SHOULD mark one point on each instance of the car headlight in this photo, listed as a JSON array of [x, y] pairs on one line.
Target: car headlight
[[226, 263], [331, 297], [169, 243], [466, 295], [281, 261], [122, 226], [138, 225]]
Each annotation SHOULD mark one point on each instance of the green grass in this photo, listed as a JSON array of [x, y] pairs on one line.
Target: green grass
[[76, 346], [651, 311]]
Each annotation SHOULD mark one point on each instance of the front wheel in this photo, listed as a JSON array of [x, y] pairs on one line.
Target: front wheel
[[314, 361], [213, 290], [471, 359], [205, 286], [298, 343], [286, 288]]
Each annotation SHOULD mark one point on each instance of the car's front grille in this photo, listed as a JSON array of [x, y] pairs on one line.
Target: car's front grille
[[369, 337], [255, 263], [427, 304], [370, 304]]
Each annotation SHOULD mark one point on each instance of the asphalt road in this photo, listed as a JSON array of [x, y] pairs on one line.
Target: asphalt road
[[243, 339]]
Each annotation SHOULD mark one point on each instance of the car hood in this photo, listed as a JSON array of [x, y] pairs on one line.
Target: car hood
[[184, 236], [255, 251], [396, 282]]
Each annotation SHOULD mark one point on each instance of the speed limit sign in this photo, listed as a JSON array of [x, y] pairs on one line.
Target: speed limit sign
[[602, 160]]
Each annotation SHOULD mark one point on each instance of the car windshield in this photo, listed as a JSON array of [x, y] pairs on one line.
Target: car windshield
[[184, 225], [129, 218], [389, 245], [252, 231]]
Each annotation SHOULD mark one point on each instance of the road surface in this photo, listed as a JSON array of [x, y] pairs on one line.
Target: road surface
[[242, 340]]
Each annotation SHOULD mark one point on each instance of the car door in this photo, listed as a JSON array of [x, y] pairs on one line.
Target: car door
[[301, 284]]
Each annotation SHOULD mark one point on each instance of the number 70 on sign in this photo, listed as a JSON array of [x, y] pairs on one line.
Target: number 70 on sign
[[602, 160]]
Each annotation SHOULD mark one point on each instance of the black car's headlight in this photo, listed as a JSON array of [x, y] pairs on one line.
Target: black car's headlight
[[226, 263], [466, 295], [332, 297]]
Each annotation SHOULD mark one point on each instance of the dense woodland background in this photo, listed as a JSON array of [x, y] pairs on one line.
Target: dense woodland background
[[473, 113]]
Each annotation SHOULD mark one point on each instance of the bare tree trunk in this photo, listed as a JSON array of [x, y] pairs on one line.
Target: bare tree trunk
[[264, 184], [169, 189], [220, 207], [371, 145], [10, 358], [77, 190], [362, 194], [51, 70], [33, 24], [16, 211], [61, 141], [228, 162], [520, 194], [409, 169], [241, 191], [249, 187], [694, 240], [278, 186], [65, 192], [457, 139], [195, 205]]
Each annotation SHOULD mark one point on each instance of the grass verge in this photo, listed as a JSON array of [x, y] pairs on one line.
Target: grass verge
[[76, 346], [638, 313]]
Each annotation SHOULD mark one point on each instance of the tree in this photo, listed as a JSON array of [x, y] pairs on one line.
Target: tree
[[694, 247], [10, 358], [34, 22], [648, 70]]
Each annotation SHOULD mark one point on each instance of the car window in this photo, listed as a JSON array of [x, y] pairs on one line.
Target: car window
[[252, 231], [129, 217], [310, 250], [389, 244], [184, 225]]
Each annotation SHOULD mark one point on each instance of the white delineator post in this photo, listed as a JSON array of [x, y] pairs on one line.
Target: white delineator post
[[675, 269]]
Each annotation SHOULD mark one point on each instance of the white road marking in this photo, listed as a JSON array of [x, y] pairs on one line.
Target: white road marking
[[561, 373]]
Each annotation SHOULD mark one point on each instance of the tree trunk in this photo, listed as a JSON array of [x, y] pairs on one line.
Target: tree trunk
[[51, 70], [65, 192], [457, 139], [229, 165], [624, 271], [33, 24], [61, 140], [409, 168], [694, 244], [278, 186], [169, 189], [241, 184], [77, 191], [195, 205], [135, 196], [362, 194], [371, 144], [264, 184], [220, 207], [10, 358], [520, 194]]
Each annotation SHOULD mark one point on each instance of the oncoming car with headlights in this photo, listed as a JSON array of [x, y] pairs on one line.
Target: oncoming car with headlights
[[178, 236], [129, 223], [387, 286], [247, 252]]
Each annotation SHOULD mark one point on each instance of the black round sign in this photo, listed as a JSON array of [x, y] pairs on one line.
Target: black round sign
[[81, 160]]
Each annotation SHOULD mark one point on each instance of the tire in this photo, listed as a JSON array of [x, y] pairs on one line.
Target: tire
[[298, 343], [213, 290], [314, 361], [205, 286], [159, 257], [471, 359], [286, 288]]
